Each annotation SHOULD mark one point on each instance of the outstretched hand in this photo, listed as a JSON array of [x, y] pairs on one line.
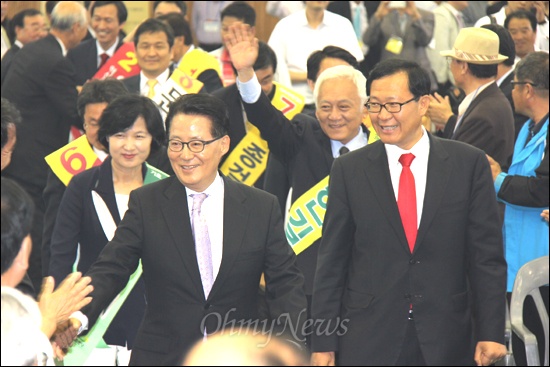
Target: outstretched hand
[[242, 47], [57, 306]]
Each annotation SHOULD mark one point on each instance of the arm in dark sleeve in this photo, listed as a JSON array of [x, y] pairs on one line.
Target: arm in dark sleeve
[[53, 193], [333, 260], [276, 181], [284, 290], [211, 80], [61, 87], [527, 191]]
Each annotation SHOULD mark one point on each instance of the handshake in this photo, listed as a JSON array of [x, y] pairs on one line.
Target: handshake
[[57, 308]]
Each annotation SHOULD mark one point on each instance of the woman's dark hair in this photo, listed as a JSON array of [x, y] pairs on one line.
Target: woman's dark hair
[[121, 114]]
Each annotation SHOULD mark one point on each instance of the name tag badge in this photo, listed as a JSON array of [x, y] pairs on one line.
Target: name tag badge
[[395, 45], [211, 26]]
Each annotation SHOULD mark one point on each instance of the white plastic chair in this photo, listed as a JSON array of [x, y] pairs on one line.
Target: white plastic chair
[[530, 277]]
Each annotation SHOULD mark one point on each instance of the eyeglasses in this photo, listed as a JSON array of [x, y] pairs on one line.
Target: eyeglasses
[[195, 146], [513, 82], [391, 107]]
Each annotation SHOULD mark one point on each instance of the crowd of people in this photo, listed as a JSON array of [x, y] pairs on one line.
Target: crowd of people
[[362, 188]]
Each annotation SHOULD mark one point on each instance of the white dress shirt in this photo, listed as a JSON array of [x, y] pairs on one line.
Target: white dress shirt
[[419, 169], [110, 52], [359, 141], [161, 80], [293, 40], [212, 209]]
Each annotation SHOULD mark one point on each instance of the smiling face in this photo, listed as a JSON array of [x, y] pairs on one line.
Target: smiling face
[[339, 109], [130, 148], [403, 128], [34, 28], [196, 171], [106, 25], [523, 36], [153, 53]]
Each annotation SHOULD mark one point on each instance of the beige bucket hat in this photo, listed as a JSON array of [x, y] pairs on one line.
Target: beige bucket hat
[[476, 46]]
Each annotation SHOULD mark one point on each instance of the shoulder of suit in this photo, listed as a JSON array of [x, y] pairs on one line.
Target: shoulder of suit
[[249, 192]]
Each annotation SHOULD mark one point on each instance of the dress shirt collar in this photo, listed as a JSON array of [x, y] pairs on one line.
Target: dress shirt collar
[[501, 79], [420, 150], [359, 141], [110, 51], [470, 98], [214, 190], [18, 44], [161, 79], [63, 48], [327, 20]]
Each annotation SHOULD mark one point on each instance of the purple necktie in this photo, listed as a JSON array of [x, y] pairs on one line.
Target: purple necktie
[[202, 244]]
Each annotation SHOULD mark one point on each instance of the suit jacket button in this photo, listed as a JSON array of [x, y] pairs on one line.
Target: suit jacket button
[[412, 261]]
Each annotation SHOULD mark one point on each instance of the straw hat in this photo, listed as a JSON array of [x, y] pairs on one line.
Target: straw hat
[[476, 46]]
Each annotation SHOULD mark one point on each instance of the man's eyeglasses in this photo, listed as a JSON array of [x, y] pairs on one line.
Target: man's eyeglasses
[[513, 82], [391, 107], [195, 146]]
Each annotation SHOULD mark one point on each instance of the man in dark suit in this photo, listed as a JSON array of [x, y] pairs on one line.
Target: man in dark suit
[[154, 41], [107, 20], [411, 268], [201, 261], [41, 83], [306, 146], [505, 71], [29, 26], [485, 119]]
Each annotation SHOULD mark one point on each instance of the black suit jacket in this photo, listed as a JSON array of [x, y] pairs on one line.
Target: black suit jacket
[[42, 85], [7, 60], [488, 124], [84, 59], [367, 276], [506, 88], [78, 226], [304, 149], [157, 230]]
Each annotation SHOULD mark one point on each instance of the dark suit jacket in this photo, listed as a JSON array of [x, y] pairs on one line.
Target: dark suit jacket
[[157, 230], [506, 88], [78, 225], [84, 59], [42, 85], [7, 60], [304, 149], [488, 124], [367, 276]]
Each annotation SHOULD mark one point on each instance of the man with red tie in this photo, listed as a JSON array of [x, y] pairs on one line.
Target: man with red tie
[[411, 247]]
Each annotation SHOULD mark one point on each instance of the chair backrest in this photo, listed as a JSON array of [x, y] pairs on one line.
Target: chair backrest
[[530, 277]]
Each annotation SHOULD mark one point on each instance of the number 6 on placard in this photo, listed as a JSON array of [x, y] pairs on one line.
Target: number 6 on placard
[[67, 162]]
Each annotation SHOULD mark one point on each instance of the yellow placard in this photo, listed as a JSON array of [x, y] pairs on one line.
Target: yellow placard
[[394, 45], [73, 158]]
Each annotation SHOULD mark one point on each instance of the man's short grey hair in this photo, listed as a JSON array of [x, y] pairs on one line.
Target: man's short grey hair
[[64, 20], [343, 72], [21, 334]]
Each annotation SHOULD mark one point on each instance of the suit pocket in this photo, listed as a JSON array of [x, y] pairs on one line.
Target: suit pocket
[[460, 301], [152, 343], [353, 299]]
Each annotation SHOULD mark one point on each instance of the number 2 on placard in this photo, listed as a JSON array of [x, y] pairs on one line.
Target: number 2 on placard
[[127, 64]]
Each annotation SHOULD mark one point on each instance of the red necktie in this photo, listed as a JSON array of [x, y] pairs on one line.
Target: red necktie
[[104, 57], [406, 200]]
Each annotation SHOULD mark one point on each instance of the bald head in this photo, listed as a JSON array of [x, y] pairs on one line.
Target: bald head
[[69, 22]]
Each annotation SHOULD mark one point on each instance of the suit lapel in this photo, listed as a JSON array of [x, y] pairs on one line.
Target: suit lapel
[[176, 213], [378, 176], [324, 141], [473, 105], [235, 218], [439, 172]]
